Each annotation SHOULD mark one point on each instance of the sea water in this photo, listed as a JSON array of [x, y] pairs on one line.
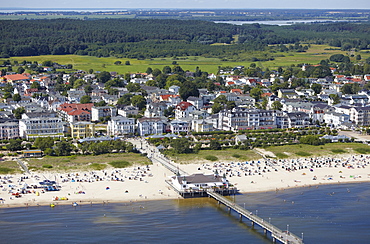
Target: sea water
[[324, 214]]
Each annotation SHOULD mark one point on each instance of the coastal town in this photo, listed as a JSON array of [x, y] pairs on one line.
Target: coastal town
[[91, 112], [34, 105]]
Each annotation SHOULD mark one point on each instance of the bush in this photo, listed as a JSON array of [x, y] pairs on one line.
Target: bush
[[281, 155], [97, 166], [120, 164], [47, 166], [363, 150], [4, 170], [338, 151], [303, 154], [211, 158], [235, 155]]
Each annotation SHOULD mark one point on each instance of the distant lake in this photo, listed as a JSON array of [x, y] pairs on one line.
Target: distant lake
[[280, 22]]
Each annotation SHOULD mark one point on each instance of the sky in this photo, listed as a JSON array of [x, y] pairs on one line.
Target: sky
[[191, 4]]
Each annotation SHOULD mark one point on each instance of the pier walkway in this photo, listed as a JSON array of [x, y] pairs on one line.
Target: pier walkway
[[276, 233]]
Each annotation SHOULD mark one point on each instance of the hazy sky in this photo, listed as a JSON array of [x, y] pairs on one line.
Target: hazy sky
[[233, 4]]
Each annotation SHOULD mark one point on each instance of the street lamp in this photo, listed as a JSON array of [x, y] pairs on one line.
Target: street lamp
[[244, 205], [287, 228], [302, 236], [269, 220], [256, 212]]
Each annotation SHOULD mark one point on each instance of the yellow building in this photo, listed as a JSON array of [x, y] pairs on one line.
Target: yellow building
[[82, 129]]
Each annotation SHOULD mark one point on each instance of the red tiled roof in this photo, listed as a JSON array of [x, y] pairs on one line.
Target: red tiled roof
[[183, 105], [16, 77]]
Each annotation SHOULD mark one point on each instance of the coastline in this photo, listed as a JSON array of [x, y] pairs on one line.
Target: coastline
[[135, 186]]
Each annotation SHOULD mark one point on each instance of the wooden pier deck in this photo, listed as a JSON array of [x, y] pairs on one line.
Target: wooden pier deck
[[276, 233]]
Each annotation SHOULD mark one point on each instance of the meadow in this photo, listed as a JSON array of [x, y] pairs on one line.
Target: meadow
[[314, 55]]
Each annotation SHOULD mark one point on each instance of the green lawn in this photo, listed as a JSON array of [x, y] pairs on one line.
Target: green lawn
[[81, 162], [313, 56]]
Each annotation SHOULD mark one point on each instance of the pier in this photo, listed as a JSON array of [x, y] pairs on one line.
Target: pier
[[276, 233]]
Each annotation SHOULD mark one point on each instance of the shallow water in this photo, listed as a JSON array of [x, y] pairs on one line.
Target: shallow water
[[327, 214]]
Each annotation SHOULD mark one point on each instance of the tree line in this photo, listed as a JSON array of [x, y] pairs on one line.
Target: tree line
[[153, 38]]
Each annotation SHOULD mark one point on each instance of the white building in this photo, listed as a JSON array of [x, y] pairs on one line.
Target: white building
[[100, 112], [198, 182], [9, 129], [177, 126], [121, 126], [148, 126], [33, 125]]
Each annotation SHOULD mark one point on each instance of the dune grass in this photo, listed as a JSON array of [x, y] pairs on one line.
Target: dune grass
[[85, 162]]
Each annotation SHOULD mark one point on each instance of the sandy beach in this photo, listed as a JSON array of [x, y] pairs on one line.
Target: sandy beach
[[145, 183]]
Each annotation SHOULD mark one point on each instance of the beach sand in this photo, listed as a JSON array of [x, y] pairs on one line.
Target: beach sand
[[144, 184]]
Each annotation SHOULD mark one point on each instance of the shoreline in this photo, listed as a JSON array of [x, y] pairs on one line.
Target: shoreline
[[107, 202], [139, 184]]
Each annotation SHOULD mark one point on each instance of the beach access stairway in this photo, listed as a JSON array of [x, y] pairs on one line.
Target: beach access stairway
[[276, 233], [24, 167], [159, 158]]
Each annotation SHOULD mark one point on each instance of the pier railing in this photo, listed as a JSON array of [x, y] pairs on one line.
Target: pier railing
[[276, 233]]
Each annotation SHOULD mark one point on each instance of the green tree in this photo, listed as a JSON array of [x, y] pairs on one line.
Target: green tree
[[127, 63], [181, 145], [276, 105], [18, 112], [43, 143], [125, 99], [138, 101], [188, 89], [118, 63], [14, 145], [85, 99], [316, 88], [20, 70], [35, 85], [156, 72], [167, 70], [149, 70], [133, 87], [335, 98], [216, 108], [63, 148], [215, 145], [17, 97], [256, 93], [103, 76]]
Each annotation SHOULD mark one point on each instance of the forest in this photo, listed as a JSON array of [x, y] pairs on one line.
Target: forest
[[155, 38]]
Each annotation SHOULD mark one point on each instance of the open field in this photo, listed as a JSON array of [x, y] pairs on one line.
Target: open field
[[83, 162], [313, 56]]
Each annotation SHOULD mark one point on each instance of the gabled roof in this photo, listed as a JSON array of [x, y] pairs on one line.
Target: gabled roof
[[183, 105], [16, 77], [200, 178]]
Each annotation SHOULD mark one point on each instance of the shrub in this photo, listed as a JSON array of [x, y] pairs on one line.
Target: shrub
[[363, 150], [281, 155], [235, 155], [211, 158], [47, 166], [303, 154], [4, 170], [120, 164], [338, 151], [97, 166]]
